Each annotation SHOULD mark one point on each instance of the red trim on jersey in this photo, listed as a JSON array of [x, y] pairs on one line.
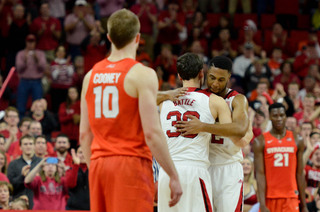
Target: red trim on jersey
[[193, 89], [230, 94], [206, 199], [240, 201]]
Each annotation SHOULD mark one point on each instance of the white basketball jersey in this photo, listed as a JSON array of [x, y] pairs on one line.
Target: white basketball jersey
[[223, 150], [191, 147]]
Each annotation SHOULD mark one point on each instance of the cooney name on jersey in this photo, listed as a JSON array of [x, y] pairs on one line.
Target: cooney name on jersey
[[106, 78]]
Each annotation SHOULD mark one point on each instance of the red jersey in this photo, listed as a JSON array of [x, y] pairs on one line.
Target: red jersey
[[312, 176], [280, 159], [113, 114]]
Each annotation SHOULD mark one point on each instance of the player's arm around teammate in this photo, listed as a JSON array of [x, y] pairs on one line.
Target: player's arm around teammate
[[258, 148], [240, 130], [172, 95]]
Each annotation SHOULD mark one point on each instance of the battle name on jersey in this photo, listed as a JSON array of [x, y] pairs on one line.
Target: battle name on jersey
[[280, 149], [106, 78], [184, 102]]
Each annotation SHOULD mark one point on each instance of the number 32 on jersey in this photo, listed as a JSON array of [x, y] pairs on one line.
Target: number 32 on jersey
[[178, 115]]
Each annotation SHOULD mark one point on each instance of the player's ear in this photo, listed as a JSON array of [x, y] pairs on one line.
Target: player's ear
[[137, 38], [109, 38], [201, 74]]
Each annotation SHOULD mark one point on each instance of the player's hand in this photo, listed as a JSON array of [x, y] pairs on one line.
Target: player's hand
[[193, 126], [175, 94], [176, 191]]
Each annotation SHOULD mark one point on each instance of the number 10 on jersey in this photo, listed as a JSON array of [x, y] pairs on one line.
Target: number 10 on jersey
[[109, 98]]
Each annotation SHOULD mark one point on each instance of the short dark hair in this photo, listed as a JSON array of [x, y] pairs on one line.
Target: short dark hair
[[189, 65], [40, 136], [24, 119], [62, 135], [221, 62], [26, 137], [275, 106]]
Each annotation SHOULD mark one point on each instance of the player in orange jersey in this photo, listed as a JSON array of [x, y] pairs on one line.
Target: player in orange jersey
[[279, 166], [120, 122]]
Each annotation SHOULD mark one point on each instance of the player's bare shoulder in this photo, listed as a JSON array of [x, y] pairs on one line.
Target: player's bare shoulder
[[138, 78], [216, 101], [240, 101], [140, 73]]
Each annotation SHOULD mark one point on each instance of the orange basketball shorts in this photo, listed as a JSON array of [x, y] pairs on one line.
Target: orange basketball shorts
[[121, 184]]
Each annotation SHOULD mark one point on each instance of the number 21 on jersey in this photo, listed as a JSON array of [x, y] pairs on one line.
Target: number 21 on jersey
[[106, 101], [281, 160]]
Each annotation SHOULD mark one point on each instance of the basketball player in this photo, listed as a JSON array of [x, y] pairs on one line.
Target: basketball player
[[225, 149], [190, 153], [118, 91], [279, 166]]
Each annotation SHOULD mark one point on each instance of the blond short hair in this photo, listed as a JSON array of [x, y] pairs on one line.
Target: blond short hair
[[123, 26]]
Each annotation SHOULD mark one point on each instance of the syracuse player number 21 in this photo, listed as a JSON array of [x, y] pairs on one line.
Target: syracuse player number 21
[[109, 98]]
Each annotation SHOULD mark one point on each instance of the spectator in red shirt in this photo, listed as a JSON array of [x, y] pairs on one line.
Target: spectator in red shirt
[[147, 13], [275, 62], [94, 47], [167, 61], [312, 171], [48, 31], [69, 116], [278, 38], [48, 187], [308, 57], [224, 45], [62, 76], [286, 76], [62, 146], [171, 22]]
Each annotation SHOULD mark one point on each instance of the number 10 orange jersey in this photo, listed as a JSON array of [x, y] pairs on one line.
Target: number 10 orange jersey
[[113, 114], [280, 160]]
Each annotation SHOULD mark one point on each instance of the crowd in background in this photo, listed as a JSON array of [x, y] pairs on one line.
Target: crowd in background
[[53, 44]]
